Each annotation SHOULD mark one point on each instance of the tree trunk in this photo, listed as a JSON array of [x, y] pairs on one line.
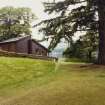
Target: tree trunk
[[101, 13], [90, 56]]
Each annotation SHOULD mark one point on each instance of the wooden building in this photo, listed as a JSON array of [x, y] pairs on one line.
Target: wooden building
[[24, 45]]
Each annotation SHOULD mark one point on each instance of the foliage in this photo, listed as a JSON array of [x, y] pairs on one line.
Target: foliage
[[84, 47], [75, 50], [15, 22], [70, 19]]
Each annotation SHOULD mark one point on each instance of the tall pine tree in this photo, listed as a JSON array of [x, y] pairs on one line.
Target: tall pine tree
[[73, 16]]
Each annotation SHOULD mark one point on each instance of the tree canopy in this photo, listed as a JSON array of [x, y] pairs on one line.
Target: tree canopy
[[15, 22], [73, 16], [84, 48], [82, 17]]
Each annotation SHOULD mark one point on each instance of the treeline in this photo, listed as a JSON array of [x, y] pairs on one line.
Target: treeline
[[85, 48]]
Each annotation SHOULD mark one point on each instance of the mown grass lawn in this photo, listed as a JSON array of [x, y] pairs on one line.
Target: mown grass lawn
[[36, 82], [18, 75]]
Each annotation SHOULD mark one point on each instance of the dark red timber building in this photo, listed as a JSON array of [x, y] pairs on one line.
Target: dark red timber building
[[24, 45]]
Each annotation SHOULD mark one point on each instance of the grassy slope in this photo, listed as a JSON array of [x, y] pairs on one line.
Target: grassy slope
[[18, 75], [71, 84]]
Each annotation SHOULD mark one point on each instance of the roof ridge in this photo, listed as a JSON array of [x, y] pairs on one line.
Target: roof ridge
[[39, 44], [14, 39]]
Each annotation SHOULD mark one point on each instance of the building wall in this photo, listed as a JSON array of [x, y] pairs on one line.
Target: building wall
[[38, 50], [25, 45], [10, 47], [22, 45]]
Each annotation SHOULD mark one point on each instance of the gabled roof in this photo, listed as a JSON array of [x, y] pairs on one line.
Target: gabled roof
[[21, 38], [39, 44], [14, 39]]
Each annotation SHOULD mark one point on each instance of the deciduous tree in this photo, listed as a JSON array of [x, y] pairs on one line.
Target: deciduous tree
[[15, 22]]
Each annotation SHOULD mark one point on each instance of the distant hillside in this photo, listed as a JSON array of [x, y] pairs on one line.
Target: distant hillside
[[58, 52]]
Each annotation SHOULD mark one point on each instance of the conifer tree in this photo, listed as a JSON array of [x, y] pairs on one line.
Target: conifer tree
[[73, 16]]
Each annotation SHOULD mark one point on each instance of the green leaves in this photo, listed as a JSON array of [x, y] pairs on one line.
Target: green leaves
[[15, 22], [84, 47]]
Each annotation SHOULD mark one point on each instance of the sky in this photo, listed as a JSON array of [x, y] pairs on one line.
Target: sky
[[35, 5]]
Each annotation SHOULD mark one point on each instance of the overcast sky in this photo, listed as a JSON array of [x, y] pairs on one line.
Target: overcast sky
[[35, 5]]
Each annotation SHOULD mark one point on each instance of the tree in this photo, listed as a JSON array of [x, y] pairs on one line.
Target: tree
[[75, 50], [84, 15], [90, 44], [15, 22], [84, 47]]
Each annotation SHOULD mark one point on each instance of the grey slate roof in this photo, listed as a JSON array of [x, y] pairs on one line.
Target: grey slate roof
[[39, 44], [13, 39], [20, 38]]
